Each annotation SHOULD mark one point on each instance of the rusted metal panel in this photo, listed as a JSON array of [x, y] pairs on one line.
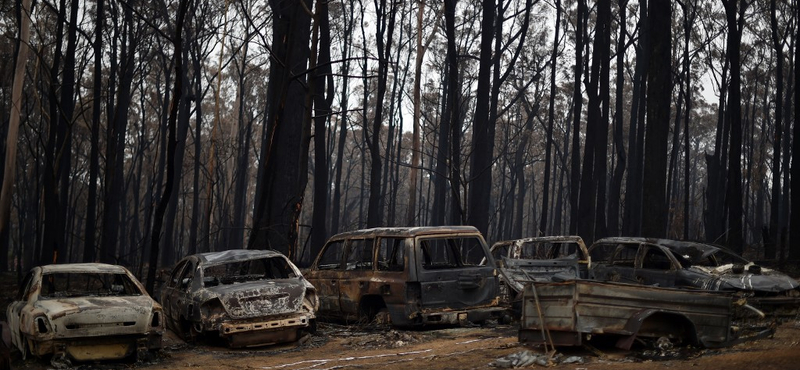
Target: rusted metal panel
[[580, 307]]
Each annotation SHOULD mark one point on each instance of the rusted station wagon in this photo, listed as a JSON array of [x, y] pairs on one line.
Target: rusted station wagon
[[246, 297], [545, 258], [408, 276], [683, 264], [83, 312]]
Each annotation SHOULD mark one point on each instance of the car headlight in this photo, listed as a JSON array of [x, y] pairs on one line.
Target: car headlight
[[310, 301], [42, 324], [212, 310]]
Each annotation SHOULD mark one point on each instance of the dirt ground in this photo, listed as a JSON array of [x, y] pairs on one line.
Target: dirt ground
[[343, 347]]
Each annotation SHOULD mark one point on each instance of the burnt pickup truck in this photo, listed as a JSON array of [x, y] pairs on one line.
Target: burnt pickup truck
[[572, 312], [546, 258]]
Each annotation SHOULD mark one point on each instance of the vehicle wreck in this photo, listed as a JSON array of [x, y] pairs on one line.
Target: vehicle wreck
[[682, 264], [408, 276], [84, 312], [547, 258], [245, 297], [570, 313]]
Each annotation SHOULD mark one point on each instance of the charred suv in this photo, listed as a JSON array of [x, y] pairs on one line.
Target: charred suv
[[84, 312], [683, 264], [408, 276], [246, 297]]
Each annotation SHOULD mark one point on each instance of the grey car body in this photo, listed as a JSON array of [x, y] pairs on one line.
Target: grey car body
[[84, 311], [684, 264], [408, 276], [545, 258], [246, 297]]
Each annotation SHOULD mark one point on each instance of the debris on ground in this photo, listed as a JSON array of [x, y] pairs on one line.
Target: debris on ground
[[527, 358]]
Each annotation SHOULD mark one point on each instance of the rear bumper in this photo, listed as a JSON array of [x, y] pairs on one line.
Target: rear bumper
[[96, 348], [432, 317], [263, 332]]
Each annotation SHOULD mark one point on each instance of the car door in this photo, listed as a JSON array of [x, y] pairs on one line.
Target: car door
[[455, 271], [654, 266], [170, 294], [354, 282], [615, 262], [324, 275]]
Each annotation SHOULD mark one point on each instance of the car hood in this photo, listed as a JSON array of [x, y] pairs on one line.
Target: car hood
[[97, 316], [723, 278], [259, 298]]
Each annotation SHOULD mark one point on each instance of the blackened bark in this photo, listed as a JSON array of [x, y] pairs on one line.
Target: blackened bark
[[115, 150], [345, 70], [734, 189], [279, 194], [632, 222], [659, 92], [575, 176], [323, 96], [774, 214], [688, 22], [384, 47], [615, 187], [550, 121], [592, 192], [172, 144], [480, 188], [794, 220]]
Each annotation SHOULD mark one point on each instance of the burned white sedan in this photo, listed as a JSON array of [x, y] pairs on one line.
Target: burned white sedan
[[245, 297], [84, 312]]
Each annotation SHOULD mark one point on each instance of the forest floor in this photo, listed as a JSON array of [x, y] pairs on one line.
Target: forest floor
[[489, 347]]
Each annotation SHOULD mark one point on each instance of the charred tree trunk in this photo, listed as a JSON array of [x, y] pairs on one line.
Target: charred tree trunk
[[323, 90], [774, 215], [480, 188], [632, 221], [615, 188], [575, 176], [279, 194], [659, 92], [734, 115], [550, 122], [172, 145]]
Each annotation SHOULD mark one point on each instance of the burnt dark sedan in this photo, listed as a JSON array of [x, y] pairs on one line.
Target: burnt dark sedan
[[683, 264], [246, 297]]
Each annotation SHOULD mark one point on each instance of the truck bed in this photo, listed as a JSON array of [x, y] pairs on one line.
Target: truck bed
[[576, 310]]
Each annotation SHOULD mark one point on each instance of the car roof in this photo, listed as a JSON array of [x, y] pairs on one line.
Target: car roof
[[83, 267], [406, 231], [678, 246], [539, 239], [235, 255]]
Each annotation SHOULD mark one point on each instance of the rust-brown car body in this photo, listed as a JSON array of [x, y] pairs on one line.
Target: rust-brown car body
[[246, 297], [83, 312], [408, 276]]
